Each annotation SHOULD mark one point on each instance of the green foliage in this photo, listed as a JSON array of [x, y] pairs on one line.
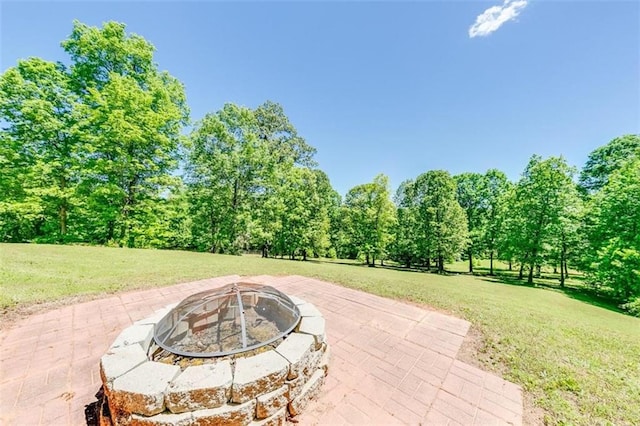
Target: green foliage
[[440, 223], [369, 216], [606, 159], [613, 233], [633, 307], [251, 185], [541, 207], [90, 148]]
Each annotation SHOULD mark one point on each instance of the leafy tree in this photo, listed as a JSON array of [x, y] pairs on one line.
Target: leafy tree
[[405, 243], [40, 147], [250, 186], [370, 216], [284, 142], [472, 195], [226, 165], [304, 221], [606, 159], [541, 201], [614, 235], [134, 117], [441, 222], [497, 188]]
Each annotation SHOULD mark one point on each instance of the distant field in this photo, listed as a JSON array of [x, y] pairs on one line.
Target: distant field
[[578, 362]]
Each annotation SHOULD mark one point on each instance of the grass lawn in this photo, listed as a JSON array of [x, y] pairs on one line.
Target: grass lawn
[[577, 360]]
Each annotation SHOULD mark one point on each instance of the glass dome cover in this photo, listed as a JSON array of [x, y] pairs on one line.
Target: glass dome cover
[[231, 319]]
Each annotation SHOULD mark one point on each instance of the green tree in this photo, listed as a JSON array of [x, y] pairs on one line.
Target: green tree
[[134, 117], [227, 164], [543, 198], [405, 243], [614, 234], [606, 159], [442, 224], [41, 149], [497, 188], [304, 221], [472, 195], [370, 217]]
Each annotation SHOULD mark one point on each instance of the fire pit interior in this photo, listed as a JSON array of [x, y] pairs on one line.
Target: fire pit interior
[[236, 354], [232, 319]]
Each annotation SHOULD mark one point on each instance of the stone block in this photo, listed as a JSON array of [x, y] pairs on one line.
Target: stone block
[[325, 359], [162, 419], [309, 310], [277, 419], [314, 326], [140, 334], [272, 402], [297, 349], [309, 391], [257, 375], [200, 387], [118, 361], [229, 414], [141, 390], [295, 386]]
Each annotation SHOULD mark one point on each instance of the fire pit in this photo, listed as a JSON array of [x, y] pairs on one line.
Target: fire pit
[[238, 354]]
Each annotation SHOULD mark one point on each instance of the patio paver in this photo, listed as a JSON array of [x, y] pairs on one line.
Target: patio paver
[[391, 362]]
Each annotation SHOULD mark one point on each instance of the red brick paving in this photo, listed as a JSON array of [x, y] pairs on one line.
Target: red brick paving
[[392, 363]]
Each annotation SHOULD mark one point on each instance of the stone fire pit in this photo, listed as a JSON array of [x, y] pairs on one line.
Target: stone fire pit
[[265, 379]]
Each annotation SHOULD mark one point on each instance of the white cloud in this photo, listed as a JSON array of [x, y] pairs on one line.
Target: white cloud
[[493, 18]]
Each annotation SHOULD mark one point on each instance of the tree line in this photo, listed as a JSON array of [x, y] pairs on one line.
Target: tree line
[[94, 151]]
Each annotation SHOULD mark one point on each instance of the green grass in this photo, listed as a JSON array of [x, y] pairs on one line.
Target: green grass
[[578, 360]]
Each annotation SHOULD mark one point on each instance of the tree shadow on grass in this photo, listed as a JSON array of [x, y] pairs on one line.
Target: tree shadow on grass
[[500, 276], [585, 295]]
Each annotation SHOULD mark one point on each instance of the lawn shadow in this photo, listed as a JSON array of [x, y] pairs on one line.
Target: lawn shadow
[[582, 294]]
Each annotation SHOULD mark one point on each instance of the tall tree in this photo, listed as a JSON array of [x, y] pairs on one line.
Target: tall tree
[[541, 200], [370, 216], [605, 160], [40, 147], [134, 117], [441, 220], [405, 242], [614, 234], [227, 162], [472, 195], [497, 188]]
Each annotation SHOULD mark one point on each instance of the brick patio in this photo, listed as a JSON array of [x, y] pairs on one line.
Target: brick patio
[[392, 363]]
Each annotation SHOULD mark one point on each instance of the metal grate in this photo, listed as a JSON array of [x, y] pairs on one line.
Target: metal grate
[[232, 319]]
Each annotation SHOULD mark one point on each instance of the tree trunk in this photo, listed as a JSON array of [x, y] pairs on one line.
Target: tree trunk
[[491, 263], [428, 263], [566, 269], [367, 258], [63, 210], [440, 263], [562, 263], [511, 267], [530, 278], [521, 273], [470, 262], [304, 255], [63, 220]]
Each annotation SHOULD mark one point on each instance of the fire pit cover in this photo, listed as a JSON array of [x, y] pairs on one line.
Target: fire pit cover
[[235, 318]]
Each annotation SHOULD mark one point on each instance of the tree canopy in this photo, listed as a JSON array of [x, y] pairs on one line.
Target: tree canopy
[[95, 150]]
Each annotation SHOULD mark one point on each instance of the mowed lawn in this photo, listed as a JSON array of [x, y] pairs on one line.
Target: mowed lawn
[[578, 363]]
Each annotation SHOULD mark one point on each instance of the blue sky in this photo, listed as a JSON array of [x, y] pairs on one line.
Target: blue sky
[[388, 87]]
